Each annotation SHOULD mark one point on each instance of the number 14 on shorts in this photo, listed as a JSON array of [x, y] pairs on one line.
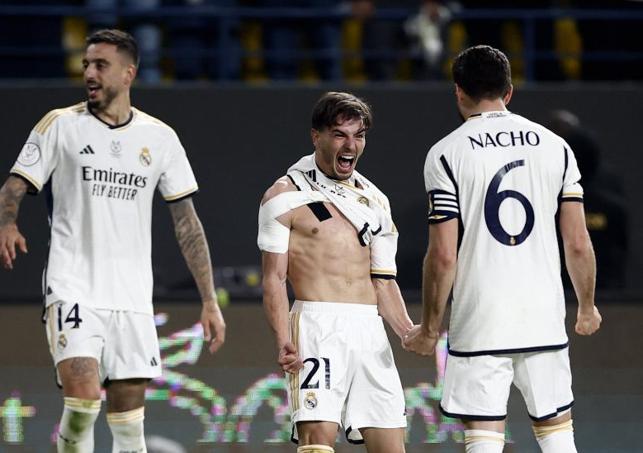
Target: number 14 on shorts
[[73, 316], [306, 384]]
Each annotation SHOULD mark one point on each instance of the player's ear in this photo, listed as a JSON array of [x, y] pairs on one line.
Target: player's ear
[[314, 136], [130, 73], [507, 97]]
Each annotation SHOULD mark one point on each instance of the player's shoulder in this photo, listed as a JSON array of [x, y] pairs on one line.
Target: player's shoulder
[[448, 142], [537, 127], [149, 120], [60, 114], [281, 185]]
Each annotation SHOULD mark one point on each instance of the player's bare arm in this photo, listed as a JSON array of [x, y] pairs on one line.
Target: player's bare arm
[[390, 305], [11, 194], [194, 246], [275, 293], [438, 275], [581, 265]]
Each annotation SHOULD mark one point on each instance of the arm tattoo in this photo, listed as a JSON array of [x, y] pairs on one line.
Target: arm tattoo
[[11, 195], [194, 246]]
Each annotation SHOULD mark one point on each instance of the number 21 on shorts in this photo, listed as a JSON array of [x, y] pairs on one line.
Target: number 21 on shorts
[[313, 371], [73, 316]]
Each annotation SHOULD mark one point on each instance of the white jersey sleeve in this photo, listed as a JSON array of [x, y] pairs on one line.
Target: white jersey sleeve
[[177, 180], [384, 246], [39, 155], [441, 187], [572, 190]]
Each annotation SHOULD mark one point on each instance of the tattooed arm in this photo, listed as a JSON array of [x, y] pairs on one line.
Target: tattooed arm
[[194, 246], [11, 195]]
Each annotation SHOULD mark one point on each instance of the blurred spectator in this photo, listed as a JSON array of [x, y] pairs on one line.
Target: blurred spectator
[[146, 32], [426, 34], [287, 41], [204, 46], [605, 211], [369, 43]]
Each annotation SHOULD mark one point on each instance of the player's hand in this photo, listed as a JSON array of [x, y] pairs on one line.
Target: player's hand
[[420, 341], [588, 321], [10, 238], [213, 325], [289, 358]]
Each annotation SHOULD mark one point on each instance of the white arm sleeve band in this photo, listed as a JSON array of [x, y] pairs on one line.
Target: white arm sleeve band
[[273, 236]]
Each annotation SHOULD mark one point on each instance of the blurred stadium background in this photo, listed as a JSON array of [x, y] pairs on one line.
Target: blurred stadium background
[[237, 80]]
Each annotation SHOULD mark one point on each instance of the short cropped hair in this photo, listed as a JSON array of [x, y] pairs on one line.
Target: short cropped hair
[[335, 106], [123, 41], [482, 72]]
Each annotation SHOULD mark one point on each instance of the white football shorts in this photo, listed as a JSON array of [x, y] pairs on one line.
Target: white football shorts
[[349, 375], [124, 343], [477, 387]]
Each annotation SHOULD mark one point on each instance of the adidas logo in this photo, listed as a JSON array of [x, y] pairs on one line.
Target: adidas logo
[[87, 150], [153, 362]]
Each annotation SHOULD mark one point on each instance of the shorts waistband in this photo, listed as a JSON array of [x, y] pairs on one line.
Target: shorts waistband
[[333, 307]]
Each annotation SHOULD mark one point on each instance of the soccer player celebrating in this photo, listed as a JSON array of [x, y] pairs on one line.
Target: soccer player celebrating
[[328, 230], [100, 162], [503, 179]]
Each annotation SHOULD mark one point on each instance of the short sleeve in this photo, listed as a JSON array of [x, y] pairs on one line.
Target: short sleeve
[[39, 155], [384, 245], [572, 190], [177, 180], [441, 187]]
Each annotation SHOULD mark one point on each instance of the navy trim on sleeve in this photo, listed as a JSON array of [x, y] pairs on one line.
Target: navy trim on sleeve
[[554, 347]]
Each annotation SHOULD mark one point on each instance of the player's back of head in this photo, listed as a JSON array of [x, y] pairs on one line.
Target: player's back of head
[[482, 72]]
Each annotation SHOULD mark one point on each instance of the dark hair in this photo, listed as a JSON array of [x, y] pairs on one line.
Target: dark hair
[[336, 106], [482, 72], [123, 41]]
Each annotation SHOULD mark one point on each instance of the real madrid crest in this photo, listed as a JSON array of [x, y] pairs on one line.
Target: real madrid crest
[[363, 200], [62, 341], [145, 157], [310, 401]]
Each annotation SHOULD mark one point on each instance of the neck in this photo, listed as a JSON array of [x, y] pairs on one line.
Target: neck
[[485, 105], [117, 112]]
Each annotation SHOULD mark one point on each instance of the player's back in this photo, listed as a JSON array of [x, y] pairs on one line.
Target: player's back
[[505, 174]]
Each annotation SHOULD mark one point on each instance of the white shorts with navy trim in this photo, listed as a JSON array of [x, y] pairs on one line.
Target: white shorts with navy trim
[[349, 375], [124, 343], [477, 387]]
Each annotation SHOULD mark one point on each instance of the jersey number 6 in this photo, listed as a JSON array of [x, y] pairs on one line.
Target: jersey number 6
[[493, 200]]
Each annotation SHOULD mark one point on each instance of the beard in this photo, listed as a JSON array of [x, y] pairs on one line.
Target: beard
[[97, 105]]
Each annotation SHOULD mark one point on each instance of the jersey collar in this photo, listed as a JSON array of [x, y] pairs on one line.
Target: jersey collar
[[113, 126], [491, 114]]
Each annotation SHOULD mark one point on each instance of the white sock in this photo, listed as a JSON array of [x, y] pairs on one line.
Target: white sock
[[315, 449], [76, 428], [483, 441], [127, 431], [556, 439]]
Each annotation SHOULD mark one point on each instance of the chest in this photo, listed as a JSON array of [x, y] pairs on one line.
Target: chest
[[92, 148], [321, 221]]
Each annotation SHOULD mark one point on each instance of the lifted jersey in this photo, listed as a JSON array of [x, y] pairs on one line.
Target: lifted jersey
[[503, 177], [100, 181]]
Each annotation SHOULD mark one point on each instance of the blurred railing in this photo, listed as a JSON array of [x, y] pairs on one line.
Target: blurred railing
[[225, 19]]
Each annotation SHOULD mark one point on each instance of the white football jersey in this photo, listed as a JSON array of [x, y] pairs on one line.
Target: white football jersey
[[503, 177], [100, 181]]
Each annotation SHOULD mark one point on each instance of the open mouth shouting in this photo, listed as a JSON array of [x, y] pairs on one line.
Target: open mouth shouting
[[345, 163]]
